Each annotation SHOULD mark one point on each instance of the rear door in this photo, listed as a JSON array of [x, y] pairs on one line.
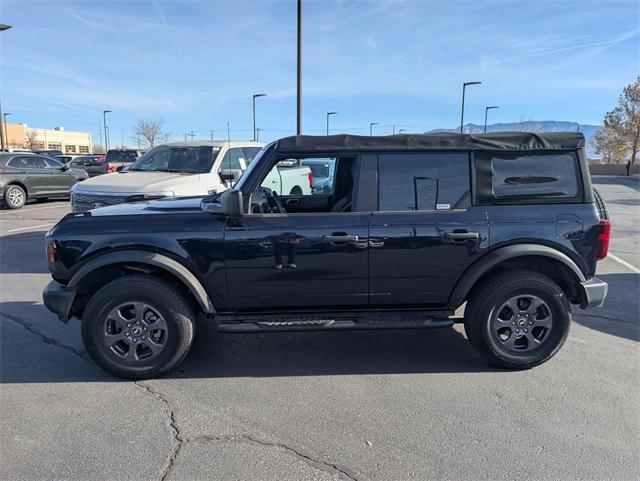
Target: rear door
[[425, 232], [59, 181]]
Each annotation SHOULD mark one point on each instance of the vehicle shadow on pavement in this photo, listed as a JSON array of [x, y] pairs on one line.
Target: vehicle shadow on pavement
[[620, 314], [631, 182], [29, 356], [13, 246]]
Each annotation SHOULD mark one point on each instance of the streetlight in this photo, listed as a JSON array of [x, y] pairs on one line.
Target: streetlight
[[254, 113], [401, 130], [106, 135], [258, 130], [486, 111], [371, 127], [299, 73], [4, 26], [4, 121], [464, 87], [328, 114]]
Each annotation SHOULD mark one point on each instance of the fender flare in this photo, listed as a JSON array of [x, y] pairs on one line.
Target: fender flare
[[486, 262], [153, 259]]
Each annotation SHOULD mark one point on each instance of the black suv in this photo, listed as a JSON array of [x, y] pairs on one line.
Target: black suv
[[410, 229]]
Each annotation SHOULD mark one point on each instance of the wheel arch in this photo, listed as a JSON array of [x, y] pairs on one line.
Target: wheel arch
[[534, 257], [106, 267], [19, 184]]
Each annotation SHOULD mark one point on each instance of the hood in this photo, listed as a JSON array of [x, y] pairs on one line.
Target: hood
[[136, 182], [169, 205]]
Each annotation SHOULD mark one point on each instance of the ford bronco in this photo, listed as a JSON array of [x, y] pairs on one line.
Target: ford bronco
[[411, 228]]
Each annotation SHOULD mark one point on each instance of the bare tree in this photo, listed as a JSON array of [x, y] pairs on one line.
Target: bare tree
[[98, 149], [149, 132], [30, 139], [607, 142]]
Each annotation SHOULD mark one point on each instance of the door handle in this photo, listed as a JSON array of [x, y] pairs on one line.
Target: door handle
[[461, 235], [341, 238], [292, 202]]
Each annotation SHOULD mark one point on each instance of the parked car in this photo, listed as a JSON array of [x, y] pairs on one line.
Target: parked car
[[174, 169], [30, 176], [322, 171], [114, 161], [48, 152], [83, 161], [65, 159], [412, 228]]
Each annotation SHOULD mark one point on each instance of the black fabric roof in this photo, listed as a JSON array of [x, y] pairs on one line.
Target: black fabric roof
[[435, 141]]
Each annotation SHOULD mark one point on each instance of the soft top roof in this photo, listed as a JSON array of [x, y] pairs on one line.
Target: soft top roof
[[436, 141]]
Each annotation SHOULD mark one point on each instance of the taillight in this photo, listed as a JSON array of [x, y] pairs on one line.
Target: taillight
[[111, 168], [51, 252], [310, 177], [1, 170], [604, 235]]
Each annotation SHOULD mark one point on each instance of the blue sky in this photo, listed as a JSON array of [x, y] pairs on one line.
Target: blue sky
[[195, 64]]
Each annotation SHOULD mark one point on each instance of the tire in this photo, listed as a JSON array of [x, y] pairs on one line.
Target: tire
[[143, 302], [490, 327], [14, 197], [603, 212], [296, 190]]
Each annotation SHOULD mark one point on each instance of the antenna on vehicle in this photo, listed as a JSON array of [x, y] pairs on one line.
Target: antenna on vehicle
[[229, 153]]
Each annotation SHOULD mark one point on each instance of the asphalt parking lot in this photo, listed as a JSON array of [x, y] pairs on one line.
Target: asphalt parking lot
[[380, 405]]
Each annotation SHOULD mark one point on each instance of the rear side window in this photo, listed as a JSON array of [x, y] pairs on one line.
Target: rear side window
[[516, 178], [433, 181]]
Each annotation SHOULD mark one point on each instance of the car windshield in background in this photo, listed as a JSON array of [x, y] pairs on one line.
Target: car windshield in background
[[188, 160], [121, 156]]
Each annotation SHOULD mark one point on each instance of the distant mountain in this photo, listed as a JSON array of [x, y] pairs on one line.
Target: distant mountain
[[533, 126]]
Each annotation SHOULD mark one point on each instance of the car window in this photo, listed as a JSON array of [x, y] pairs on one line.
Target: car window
[[422, 181], [250, 153], [533, 175], [121, 156], [234, 159], [28, 162], [194, 160], [52, 164]]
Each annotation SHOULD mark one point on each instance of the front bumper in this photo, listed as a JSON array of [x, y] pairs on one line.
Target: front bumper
[[594, 292], [59, 299]]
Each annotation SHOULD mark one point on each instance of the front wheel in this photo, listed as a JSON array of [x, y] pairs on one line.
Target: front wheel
[[518, 319], [138, 327]]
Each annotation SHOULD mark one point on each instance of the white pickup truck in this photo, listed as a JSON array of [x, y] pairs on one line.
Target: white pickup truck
[[186, 169]]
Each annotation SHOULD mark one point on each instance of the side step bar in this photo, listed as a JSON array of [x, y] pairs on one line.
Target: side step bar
[[329, 322]]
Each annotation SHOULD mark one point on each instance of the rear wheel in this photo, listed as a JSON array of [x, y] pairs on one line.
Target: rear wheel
[[518, 319], [14, 197], [138, 327], [296, 190]]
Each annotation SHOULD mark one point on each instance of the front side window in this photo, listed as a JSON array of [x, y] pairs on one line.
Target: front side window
[[234, 159], [52, 164], [423, 181], [192, 160]]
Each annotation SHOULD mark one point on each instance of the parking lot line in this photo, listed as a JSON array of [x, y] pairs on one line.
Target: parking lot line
[[31, 227], [624, 263], [30, 210]]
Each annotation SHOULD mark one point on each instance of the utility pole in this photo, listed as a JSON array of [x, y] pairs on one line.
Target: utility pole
[[486, 112], [464, 87], [6, 133], [185, 136], [100, 133], [299, 73], [192, 135], [212, 132], [258, 130], [2, 139], [329, 114], [106, 130]]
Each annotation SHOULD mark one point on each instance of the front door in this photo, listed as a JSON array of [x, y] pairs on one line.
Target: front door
[[425, 233], [314, 255]]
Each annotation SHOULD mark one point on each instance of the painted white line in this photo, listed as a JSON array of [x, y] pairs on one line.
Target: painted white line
[[22, 211], [30, 227], [624, 263]]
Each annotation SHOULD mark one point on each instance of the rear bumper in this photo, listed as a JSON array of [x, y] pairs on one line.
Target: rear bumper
[[594, 292], [59, 299]]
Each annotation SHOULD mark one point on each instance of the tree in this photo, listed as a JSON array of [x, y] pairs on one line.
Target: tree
[[149, 132], [607, 143], [31, 139], [624, 122]]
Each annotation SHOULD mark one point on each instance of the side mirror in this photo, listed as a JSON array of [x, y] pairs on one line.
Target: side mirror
[[228, 203], [64, 168], [230, 175]]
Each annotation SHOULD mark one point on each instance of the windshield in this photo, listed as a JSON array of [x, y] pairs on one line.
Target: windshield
[[254, 163], [188, 160]]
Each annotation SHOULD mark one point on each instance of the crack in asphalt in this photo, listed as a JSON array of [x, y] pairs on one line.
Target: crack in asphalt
[[316, 463], [177, 440]]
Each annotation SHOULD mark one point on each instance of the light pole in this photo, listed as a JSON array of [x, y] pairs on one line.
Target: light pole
[[401, 130], [371, 127], [254, 113], [3, 139], [104, 123], [464, 87], [4, 26], [329, 114], [486, 112], [299, 73], [4, 121], [258, 130]]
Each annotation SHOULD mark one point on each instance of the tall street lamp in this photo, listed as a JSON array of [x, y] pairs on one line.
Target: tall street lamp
[[371, 127], [486, 112], [4, 121], [299, 73], [4, 26], [104, 123], [255, 96], [464, 87], [329, 114]]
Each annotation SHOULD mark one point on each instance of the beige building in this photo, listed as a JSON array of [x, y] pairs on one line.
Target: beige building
[[21, 136]]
